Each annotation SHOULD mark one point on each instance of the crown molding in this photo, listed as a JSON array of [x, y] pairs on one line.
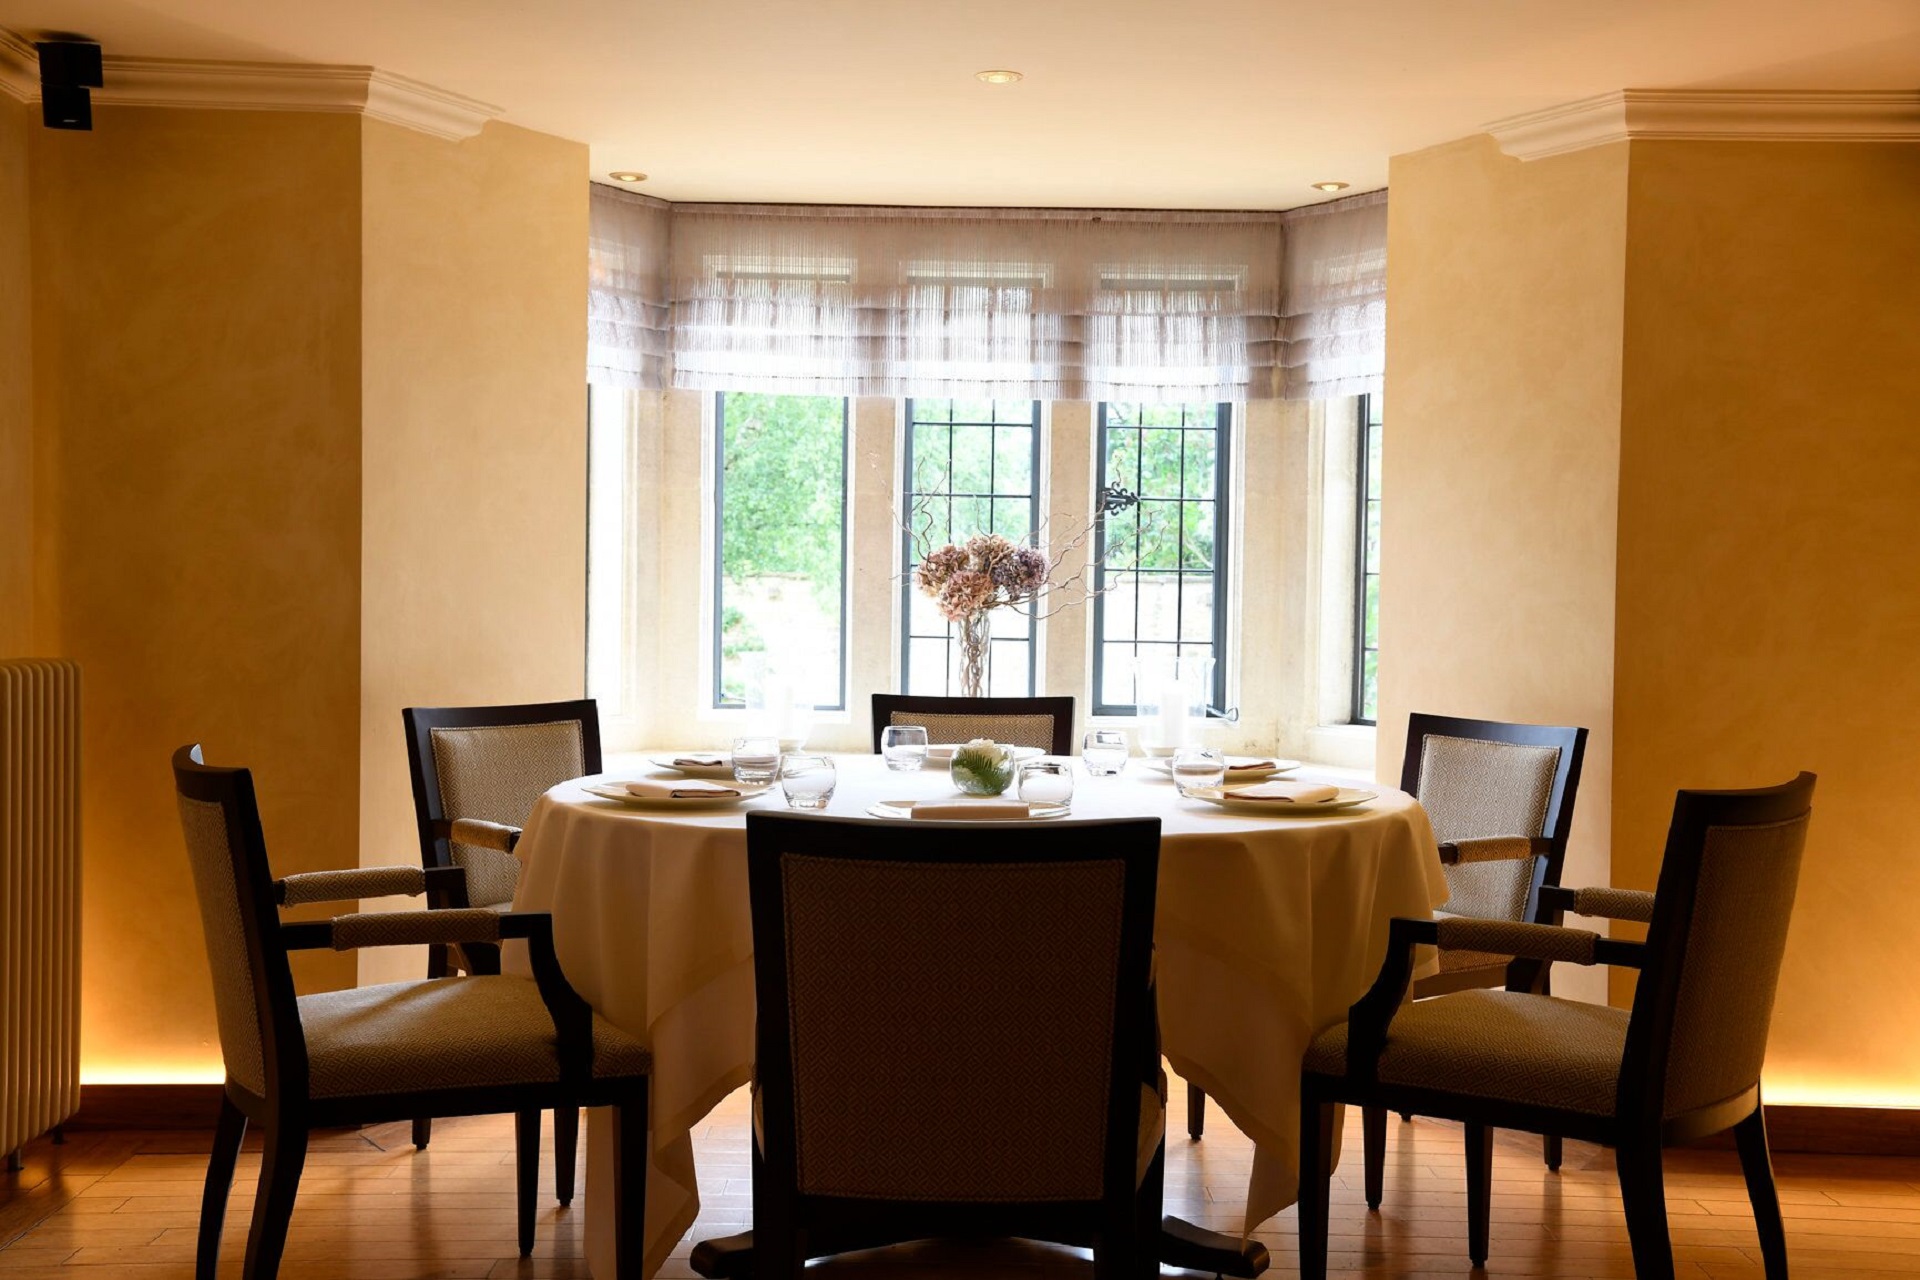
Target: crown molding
[[1712, 115], [262, 86]]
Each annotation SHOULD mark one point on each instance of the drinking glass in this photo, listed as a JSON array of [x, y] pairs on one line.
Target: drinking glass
[[806, 780], [756, 759], [904, 746], [1198, 767], [1104, 752], [1046, 782]]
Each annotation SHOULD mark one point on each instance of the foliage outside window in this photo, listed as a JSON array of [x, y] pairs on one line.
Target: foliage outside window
[[780, 580], [1161, 566], [1366, 578], [971, 466]]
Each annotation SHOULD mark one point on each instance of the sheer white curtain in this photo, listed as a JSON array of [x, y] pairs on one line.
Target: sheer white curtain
[[1334, 299], [1018, 303]]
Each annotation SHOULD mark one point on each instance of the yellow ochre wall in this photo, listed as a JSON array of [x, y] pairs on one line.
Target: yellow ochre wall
[[16, 384], [196, 386], [1500, 459], [1769, 592], [473, 336]]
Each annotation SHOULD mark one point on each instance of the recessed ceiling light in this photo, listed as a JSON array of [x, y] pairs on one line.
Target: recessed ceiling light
[[1318, 186], [634, 175], [998, 76]]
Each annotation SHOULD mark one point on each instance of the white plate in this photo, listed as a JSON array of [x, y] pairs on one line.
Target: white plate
[[1235, 772], [620, 795], [1224, 797], [942, 752], [904, 809], [722, 771]]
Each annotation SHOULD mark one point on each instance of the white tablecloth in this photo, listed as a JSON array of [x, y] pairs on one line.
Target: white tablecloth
[[1267, 929]]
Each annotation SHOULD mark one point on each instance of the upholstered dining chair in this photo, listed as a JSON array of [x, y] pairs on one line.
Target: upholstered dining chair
[[477, 772], [1683, 1064], [457, 1046], [904, 972], [1046, 723], [1500, 797]]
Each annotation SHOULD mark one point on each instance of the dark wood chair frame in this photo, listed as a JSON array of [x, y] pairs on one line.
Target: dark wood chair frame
[[1061, 709], [789, 1227], [1639, 1127], [1549, 857], [434, 827], [286, 1113]]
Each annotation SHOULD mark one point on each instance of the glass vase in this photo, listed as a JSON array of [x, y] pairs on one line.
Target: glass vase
[[976, 653]]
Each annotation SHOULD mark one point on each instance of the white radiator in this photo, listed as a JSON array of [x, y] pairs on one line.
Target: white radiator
[[39, 898]]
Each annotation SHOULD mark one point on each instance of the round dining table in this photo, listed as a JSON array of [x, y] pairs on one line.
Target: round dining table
[[1267, 928]]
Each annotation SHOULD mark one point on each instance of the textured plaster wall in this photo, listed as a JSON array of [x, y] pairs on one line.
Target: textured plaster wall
[[16, 383]]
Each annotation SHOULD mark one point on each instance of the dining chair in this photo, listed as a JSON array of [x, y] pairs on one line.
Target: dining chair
[[955, 1035], [1684, 1063], [456, 1046], [1046, 723], [1500, 799], [477, 772]]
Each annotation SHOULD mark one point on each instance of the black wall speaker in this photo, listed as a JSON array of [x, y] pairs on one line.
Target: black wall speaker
[[68, 68]]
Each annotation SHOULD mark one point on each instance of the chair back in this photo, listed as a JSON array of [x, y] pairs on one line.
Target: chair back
[[253, 995], [1705, 997], [1480, 778], [952, 1015], [1046, 723], [493, 764]]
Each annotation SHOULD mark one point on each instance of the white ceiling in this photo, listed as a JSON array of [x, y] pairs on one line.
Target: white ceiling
[[1126, 103]]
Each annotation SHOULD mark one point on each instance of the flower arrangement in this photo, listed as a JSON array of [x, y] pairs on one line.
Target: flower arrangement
[[982, 768]]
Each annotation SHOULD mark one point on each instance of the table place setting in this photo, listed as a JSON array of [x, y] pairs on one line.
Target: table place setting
[[674, 792], [969, 810], [696, 764]]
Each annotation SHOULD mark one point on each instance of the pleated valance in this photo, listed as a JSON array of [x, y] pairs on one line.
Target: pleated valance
[[1043, 303]]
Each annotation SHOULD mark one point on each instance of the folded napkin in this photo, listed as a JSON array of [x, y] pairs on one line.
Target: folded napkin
[[987, 810], [1252, 766], [713, 761], [678, 789], [1288, 792]]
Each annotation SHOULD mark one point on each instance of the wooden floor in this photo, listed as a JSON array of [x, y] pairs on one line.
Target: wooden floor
[[125, 1205]]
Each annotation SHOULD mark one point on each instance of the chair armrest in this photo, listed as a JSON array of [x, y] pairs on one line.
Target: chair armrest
[[364, 882], [1522, 941], [1604, 904], [1456, 853], [482, 834]]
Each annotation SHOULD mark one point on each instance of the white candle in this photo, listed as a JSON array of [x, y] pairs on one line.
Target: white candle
[[1173, 715]]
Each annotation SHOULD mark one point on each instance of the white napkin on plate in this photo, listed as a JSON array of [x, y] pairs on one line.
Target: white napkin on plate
[[1287, 792], [968, 810], [712, 761], [678, 789], [1251, 766]]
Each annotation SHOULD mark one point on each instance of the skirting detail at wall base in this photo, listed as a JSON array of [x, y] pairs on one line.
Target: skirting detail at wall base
[[147, 1106]]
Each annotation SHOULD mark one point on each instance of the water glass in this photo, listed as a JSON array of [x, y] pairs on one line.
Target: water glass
[[1046, 782], [1196, 768], [1104, 752], [756, 760], [806, 780], [904, 746]]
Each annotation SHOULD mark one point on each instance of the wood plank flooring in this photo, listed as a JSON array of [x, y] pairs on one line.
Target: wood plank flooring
[[124, 1205]]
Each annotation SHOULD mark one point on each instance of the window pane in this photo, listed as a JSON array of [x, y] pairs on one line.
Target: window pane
[[1366, 586], [781, 576]]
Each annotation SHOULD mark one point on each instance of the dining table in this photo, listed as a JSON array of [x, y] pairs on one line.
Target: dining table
[[1267, 927]]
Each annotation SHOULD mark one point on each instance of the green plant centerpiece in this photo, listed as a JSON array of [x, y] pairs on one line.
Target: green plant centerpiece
[[982, 767]]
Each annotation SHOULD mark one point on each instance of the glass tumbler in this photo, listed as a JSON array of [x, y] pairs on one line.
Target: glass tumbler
[[904, 746], [1046, 782], [1198, 768], [1104, 752], [806, 780], [756, 760]]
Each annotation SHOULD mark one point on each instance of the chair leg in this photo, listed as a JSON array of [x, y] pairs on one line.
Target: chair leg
[[1757, 1164], [422, 1134], [285, 1154], [1196, 1111], [630, 1151], [1149, 1208], [526, 1166], [1316, 1174], [1553, 1149], [1643, 1192], [1479, 1190], [566, 1145], [227, 1134], [1373, 1126]]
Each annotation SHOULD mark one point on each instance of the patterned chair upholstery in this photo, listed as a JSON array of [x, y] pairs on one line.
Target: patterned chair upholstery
[[446, 1046], [477, 773], [899, 993], [1046, 723], [1685, 1062]]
